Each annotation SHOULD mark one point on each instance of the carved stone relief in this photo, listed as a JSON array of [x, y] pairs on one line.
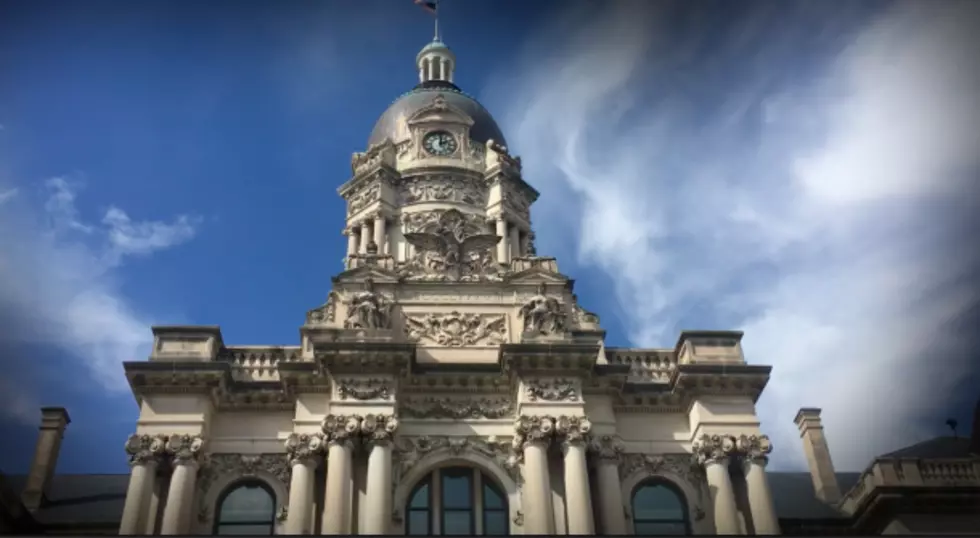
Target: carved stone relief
[[325, 313], [516, 201], [410, 450], [363, 197], [442, 189], [449, 246], [455, 329], [368, 309], [457, 408], [241, 465], [363, 389], [554, 390], [543, 315], [143, 448]]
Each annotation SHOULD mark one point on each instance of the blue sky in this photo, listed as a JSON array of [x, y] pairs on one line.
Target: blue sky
[[802, 171]]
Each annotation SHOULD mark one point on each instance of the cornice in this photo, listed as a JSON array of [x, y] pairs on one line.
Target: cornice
[[549, 357]]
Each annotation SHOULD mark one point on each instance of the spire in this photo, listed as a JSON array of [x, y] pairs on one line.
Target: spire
[[435, 61]]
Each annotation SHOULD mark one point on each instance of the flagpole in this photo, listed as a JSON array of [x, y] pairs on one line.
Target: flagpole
[[437, 19]]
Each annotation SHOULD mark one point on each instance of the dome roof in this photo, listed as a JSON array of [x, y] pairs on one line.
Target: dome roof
[[393, 123]]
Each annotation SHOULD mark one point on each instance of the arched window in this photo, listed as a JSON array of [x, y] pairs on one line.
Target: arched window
[[459, 501], [659, 508], [246, 508]]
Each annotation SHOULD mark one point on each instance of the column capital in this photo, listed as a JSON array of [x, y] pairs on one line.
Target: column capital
[[709, 449], [607, 448], [185, 449], [754, 448], [303, 447], [534, 429], [143, 448], [341, 428], [378, 429], [573, 430]]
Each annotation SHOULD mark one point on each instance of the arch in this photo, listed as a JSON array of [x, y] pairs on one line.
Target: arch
[[669, 497], [689, 495], [207, 517], [445, 457], [259, 521]]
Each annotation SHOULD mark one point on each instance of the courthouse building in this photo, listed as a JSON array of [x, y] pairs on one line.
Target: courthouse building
[[452, 383]]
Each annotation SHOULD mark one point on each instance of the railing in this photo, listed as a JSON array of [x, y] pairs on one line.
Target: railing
[[646, 365], [911, 473], [258, 363]]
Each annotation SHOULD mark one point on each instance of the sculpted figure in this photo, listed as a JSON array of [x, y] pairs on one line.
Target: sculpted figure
[[543, 314], [450, 249], [368, 310]]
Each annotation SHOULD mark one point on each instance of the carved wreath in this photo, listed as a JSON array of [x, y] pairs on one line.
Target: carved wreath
[[456, 329]]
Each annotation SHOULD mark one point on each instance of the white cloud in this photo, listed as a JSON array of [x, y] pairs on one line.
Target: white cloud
[[795, 199], [7, 195], [58, 280]]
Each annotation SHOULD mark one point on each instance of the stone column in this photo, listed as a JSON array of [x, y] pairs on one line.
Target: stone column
[[431, 64], [364, 239], [303, 451], [144, 457], [351, 233], [713, 452], [184, 450], [534, 434], [608, 452], [339, 431], [378, 432], [515, 241], [379, 232], [502, 247], [578, 498], [755, 455]]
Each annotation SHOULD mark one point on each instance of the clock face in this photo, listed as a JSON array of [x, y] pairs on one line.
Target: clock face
[[439, 143]]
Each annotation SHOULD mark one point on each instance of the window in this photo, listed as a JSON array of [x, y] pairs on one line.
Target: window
[[658, 508], [246, 508], [458, 501]]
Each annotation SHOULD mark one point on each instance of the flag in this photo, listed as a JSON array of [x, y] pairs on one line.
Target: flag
[[428, 5]]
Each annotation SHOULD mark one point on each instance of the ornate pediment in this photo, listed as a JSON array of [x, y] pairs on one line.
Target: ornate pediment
[[538, 273], [440, 111]]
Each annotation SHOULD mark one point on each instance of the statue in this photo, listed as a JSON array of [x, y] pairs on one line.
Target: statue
[[451, 251], [543, 315], [368, 310]]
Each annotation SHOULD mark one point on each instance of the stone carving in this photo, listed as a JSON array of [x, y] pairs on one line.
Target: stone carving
[[455, 329], [411, 450], [363, 389], [325, 313], [516, 201], [363, 197], [496, 154], [445, 407], [709, 449], [184, 448], [368, 309], [607, 447], [679, 465], [533, 429], [543, 315], [145, 448], [584, 318], [573, 429], [237, 465], [442, 189], [448, 251], [376, 154], [303, 448], [341, 428], [378, 428], [754, 448], [557, 390], [528, 247]]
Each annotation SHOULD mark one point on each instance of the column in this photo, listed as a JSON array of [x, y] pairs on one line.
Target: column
[[431, 64], [379, 504], [351, 234], [502, 248], [608, 452], [144, 456], [303, 451], [755, 451], [363, 242], [340, 472], [713, 453], [184, 450], [539, 512], [515, 241], [578, 499], [379, 232]]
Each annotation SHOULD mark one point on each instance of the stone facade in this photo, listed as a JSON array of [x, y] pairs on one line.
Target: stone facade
[[448, 342]]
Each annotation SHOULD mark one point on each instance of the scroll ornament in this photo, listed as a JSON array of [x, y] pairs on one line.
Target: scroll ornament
[[754, 448], [143, 448], [709, 449], [379, 428], [303, 447], [341, 428], [185, 448]]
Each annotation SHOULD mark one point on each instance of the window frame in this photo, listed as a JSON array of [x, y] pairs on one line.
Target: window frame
[[235, 486], [436, 510], [669, 486]]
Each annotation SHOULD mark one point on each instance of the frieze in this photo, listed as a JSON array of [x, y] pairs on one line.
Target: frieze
[[455, 329], [458, 409], [237, 465], [556, 390], [462, 297], [426, 221], [363, 389], [442, 189], [363, 197]]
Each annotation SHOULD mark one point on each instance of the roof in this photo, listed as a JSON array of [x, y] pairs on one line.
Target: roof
[[393, 123], [98, 499], [939, 447]]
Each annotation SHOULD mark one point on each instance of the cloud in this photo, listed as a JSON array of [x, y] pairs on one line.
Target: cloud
[[778, 170], [7, 195], [58, 280]]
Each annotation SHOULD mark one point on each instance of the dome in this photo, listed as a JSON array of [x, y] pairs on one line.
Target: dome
[[393, 123]]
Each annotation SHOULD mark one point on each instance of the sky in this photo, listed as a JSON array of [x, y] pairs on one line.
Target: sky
[[806, 172]]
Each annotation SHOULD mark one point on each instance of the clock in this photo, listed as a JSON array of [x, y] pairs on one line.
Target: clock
[[439, 144]]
